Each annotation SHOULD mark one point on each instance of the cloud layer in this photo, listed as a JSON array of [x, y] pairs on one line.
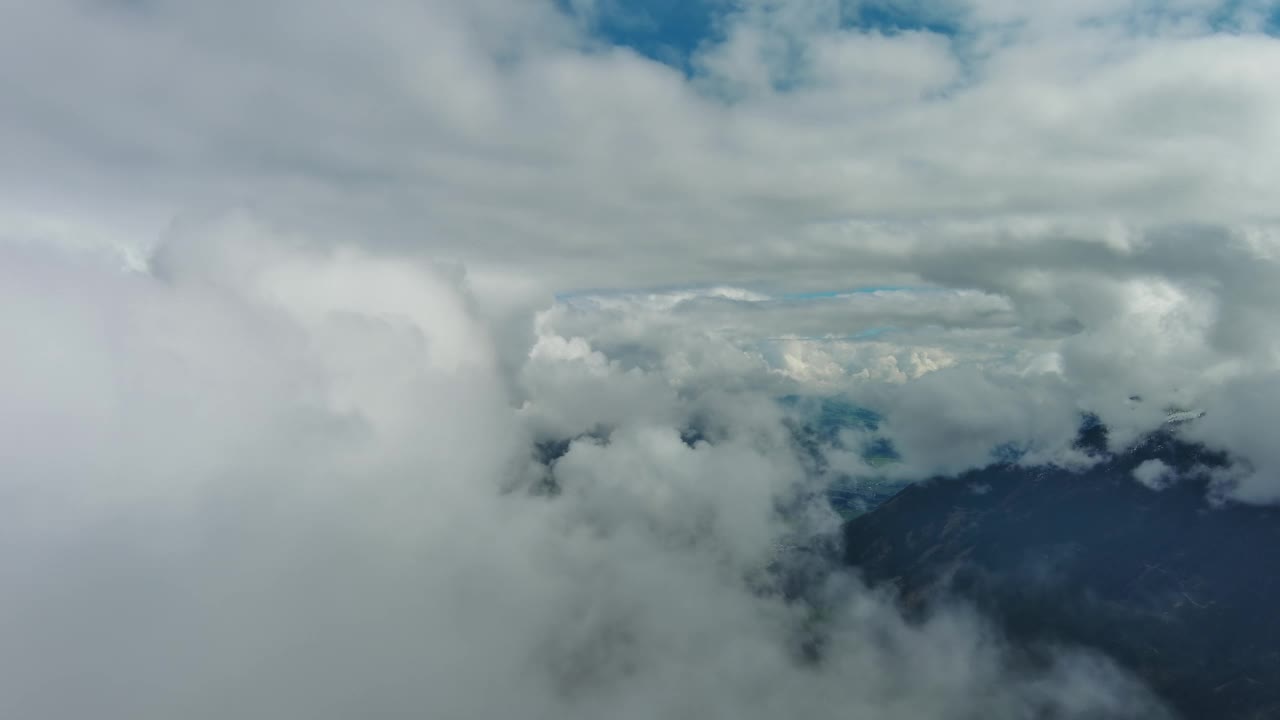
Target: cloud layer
[[293, 295], [281, 483]]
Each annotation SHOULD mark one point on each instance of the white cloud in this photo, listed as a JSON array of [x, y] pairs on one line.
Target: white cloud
[[484, 132], [1154, 474], [275, 461], [230, 492]]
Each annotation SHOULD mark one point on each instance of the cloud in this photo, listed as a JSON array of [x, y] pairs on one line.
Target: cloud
[[504, 137], [293, 292], [277, 481], [1155, 474], [1239, 417]]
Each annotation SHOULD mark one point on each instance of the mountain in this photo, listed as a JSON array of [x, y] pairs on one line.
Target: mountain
[[1184, 594]]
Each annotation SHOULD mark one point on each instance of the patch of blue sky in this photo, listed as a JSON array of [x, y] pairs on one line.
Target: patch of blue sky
[[1270, 14], [1147, 17], [891, 17], [668, 31], [673, 31], [1234, 16]]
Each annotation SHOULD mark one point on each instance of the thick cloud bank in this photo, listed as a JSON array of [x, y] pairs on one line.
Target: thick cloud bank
[[266, 482], [446, 357], [1086, 188]]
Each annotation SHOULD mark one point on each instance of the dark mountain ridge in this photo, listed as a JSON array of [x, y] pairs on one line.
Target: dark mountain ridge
[[1183, 593]]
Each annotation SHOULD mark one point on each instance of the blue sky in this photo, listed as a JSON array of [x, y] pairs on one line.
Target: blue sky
[[671, 31], [665, 30]]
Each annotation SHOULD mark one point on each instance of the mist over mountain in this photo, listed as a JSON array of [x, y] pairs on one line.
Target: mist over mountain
[[1174, 589]]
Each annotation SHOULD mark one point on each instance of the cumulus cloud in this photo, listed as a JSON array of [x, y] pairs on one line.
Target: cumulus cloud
[[290, 483], [503, 134], [292, 295]]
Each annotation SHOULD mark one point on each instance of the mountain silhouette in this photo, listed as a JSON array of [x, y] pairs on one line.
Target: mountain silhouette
[[1181, 592]]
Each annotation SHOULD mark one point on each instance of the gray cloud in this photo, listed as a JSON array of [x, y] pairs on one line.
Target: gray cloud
[[279, 281], [482, 132], [278, 483]]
